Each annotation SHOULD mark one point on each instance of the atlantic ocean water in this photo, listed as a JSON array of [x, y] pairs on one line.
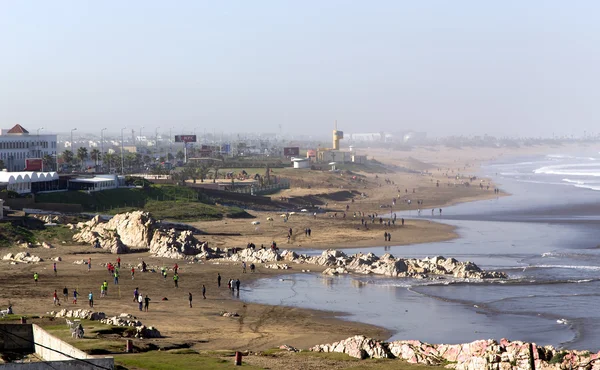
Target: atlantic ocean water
[[545, 236]]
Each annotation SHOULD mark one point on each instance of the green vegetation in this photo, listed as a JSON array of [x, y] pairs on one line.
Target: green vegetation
[[54, 234], [99, 338], [176, 359], [558, 357], [170, 202], [11, 234]]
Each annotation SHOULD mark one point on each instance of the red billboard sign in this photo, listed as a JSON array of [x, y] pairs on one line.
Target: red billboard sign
[[33, 164], [185, 138], [291, 151]]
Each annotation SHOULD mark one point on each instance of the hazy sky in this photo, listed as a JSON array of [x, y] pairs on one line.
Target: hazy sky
[[445, 67]]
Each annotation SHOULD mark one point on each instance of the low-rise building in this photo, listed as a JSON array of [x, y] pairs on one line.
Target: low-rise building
[[96, 183], [17, 145]]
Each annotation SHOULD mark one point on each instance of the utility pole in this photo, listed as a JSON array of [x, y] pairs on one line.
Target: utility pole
[[156, 141], [102, 146], [122, 153]]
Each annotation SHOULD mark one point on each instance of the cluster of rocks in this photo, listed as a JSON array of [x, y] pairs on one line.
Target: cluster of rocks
[[278, 266], [388, 265], [139, 330], [23, 257], [137, 230], [481, 354], [337, 262], [81, 313], [49, 219]]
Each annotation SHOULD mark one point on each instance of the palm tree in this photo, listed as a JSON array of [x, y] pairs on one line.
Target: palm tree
[[95, 155], [203, 172], [180, 155], [67, 157], [109, 158], [216, 167], [47, 162], [82, 154]]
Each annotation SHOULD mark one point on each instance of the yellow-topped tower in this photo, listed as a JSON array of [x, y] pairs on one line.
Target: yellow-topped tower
[[337, 136]]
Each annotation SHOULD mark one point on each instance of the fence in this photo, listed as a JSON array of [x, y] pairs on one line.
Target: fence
[[261, 190]]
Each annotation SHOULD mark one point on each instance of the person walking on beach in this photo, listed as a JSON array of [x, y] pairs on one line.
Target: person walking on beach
[[132, 273], [55, 298], [176, 280], [403, 221], [140, 301], [136, 294], [229, 284], [54, 268], [36, 276], [116, 277], [385, 234], [91, 299], [89, 264], [65, 293], [440, 211], [164, 273], [237, 284], [75, 294], [252, 267], [105, 283], [203, 292], [243, 267], [118, 262], [389, 237], [146, 303], [175, 268], [218, 279], [102, 291]]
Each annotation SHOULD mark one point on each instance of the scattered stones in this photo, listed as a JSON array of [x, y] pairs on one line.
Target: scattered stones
[[22, 257], [57, 259], [277, 266], [481, 354], [47, 245], [139, 330]]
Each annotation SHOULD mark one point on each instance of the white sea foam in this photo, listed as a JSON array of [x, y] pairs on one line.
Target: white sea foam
[[574, 267], [563, 321]]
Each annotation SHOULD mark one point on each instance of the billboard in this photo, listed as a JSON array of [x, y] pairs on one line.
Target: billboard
[[291, 151], [33, 164], [185, 138]]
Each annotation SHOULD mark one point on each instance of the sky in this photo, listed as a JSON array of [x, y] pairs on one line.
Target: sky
[[504, 68]]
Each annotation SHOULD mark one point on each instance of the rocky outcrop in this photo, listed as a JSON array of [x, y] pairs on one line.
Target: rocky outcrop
[[137, 230], [481, 354], [250, 255], [24, 257], [175, 244], [79, 314], [339, 263]]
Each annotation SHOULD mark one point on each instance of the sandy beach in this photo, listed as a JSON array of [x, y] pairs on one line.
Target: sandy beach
[[259, 326]]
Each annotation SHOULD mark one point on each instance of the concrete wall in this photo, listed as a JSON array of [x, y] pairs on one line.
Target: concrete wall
[[60, 365], [56, 345]]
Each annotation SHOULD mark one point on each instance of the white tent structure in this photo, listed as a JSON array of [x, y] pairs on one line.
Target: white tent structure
[[23, 182]]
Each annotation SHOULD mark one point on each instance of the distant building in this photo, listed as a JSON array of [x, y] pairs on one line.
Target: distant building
[[301, 162], [96, 183], [17, 145]]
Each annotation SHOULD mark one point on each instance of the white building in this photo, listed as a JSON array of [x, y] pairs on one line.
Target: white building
[[301, 162], [17, 145], [96, 183]]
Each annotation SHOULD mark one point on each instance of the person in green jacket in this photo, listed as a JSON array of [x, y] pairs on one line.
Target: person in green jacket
[[176, 280], [35, 277]]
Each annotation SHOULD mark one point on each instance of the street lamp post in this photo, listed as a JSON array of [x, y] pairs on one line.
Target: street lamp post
[[102, 146], [156, 141], [122, 154], [170, 142], [72, 143], [39, 152]]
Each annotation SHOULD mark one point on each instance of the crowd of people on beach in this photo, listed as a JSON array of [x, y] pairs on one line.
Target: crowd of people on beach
[[141, 300]]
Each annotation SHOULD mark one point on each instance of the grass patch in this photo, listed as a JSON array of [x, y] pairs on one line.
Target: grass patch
[[91, 343], [54, 234], [173, 360], [170, 202], [11, 234]]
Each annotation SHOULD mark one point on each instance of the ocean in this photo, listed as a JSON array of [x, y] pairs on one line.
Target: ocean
[[545, 236]]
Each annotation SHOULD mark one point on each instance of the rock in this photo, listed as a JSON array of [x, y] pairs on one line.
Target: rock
[[174, 244], [22, 257], [335, 271], [228, 314], [358, 346], [255, 256], [278, 266], [57, 259], [47, 245], [288, 348]]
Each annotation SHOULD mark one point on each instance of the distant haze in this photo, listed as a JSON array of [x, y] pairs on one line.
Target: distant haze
[[445, 67]]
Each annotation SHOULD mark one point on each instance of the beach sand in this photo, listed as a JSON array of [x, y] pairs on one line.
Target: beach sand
[[259, 326]]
